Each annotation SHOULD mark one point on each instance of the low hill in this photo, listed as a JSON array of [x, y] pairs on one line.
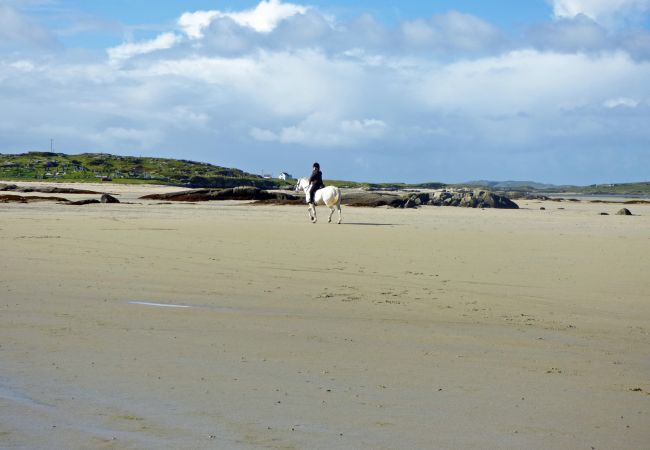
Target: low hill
[[88, 167], [125, 169], [640, 188], [510, 185]]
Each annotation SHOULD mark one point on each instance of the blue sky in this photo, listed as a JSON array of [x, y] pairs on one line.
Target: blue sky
[[547, 90]]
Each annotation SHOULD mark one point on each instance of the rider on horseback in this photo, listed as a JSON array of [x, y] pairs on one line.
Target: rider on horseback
[[315, 181]]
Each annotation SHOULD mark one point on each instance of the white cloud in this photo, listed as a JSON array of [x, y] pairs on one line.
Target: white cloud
[[529, 81], [194, 23], [130, 49], [263, 135], [23, 65], [451, 32], [621, 102], [321, 130], [571, 35], [19, 29], [263, 18], [602, 11]]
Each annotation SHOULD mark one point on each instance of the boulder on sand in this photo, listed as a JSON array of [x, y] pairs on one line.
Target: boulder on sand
[[107, 198], [624, 212]]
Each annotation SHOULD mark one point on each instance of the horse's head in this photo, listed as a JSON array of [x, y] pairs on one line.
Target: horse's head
[[302, 184]]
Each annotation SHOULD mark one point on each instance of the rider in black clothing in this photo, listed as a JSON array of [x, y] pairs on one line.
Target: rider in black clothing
[[315, 181]]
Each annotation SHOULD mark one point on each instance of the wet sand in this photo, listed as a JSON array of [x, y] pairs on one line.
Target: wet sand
[[428, 328]]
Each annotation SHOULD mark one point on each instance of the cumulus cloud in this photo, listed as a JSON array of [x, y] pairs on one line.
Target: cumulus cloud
[[579, 33], [274, 25], [453, 32], [621, 102], [603, 11], [17, 29], [130, 49], [319, 130], [263, 18]]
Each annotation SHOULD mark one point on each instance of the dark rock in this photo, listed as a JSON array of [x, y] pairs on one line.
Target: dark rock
[[471, 199], [371, 198], [107, 198], [84, 202], [604, 214], [424, 198], [9, 198], [237, 193], [623, 212], [57, 190], [542, 209], [44, 189], [410, 203], [221, 182]]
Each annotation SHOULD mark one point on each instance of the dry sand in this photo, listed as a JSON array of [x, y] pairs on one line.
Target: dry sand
[[400, 329]]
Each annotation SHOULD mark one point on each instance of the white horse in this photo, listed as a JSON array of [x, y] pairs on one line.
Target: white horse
[[330, 196]]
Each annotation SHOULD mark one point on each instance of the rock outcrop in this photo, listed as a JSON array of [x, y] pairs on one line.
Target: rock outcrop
[[237, 193], [624, 212], [10, 198], [45, 189], [372, 198], [89, 201], [467, 199], [353, 197], [107, 198]]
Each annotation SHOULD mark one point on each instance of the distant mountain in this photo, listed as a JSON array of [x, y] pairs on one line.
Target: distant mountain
[[510, 185], [640, 188]]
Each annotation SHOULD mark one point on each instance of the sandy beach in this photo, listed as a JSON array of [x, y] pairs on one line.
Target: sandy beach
[[228, 325]]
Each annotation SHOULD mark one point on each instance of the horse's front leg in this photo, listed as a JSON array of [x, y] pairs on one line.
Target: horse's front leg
[[312, 212]]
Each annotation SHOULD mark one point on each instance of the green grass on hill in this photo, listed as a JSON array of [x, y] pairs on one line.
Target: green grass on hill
[[124, 169], [642, 188], [90, 167]]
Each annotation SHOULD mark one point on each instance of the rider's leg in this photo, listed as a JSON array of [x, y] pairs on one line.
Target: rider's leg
[[312, 191]]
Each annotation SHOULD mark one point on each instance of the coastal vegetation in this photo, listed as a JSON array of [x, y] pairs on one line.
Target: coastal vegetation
[[88, 167]]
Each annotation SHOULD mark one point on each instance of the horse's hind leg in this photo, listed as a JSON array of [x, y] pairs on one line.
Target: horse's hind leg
[[339, 208], [329, 219]]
